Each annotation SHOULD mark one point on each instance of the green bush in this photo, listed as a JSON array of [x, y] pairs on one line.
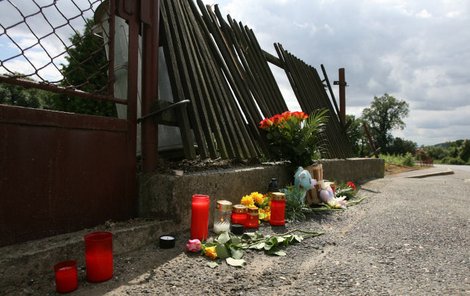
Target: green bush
[[453, 160], [404, 160], [408, 160]]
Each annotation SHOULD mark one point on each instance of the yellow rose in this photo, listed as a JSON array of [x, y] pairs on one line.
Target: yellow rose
[[258, 198], [210, 252], [247, 201]]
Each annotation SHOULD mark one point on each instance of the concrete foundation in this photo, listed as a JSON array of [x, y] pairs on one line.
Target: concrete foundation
[[166, 200], [169, 196]]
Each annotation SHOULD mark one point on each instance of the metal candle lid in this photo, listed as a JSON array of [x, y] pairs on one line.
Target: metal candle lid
[[253, 210], [224, 205], [167, 241], [278, 196], [239, 209]]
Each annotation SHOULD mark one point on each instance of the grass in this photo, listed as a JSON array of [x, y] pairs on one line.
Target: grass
[[407, 160]]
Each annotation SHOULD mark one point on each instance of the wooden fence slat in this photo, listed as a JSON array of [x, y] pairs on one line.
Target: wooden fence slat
[[312, 96], [197, 83], [233, 74], [244, 144], [176, 82]]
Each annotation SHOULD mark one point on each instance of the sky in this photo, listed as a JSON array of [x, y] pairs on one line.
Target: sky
[[417, 51]]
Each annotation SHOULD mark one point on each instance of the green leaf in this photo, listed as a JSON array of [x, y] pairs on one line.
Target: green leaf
[[298, 238], [235, 240], [223, 237], [258, 246], [236, 253], [212, 264], [279, 253], [235, 262], [222, 251], [269, 245], [248, 236]]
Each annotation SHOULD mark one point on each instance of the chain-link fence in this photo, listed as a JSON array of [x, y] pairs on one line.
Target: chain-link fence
[[55, 45]]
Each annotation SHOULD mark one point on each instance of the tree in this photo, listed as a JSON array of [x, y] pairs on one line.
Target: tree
[[401, 146], [464, 153], [355, 134], [15, 95], [87, 68], [385, 114]]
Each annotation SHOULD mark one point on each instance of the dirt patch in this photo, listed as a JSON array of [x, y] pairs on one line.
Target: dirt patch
[[198, 164], [392, 169]]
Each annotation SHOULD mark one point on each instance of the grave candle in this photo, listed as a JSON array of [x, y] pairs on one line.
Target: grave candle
[[239, 214], [278, 209], [252, 220], [66, 276], [223, 210], [99, 256], [200, 217]]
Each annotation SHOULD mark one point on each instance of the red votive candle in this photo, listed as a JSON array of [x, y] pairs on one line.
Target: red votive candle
[[239, 214], [200, 216], [99, 256], [66, 276], [278, 209], [252, 221]]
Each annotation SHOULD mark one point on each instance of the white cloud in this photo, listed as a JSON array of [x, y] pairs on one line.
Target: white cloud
[[414, 50], [424, 14]]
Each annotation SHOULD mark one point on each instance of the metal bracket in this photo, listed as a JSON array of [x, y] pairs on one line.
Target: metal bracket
[[159, 111], [338, 83]]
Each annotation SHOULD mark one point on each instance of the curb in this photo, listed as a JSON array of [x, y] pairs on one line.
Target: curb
[[438, 173], [21, 262]]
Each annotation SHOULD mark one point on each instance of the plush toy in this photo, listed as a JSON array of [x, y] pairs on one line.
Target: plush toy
[[303, 180], [328, 196]]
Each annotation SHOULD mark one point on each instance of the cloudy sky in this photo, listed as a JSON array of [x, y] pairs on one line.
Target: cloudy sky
[[418, 51]]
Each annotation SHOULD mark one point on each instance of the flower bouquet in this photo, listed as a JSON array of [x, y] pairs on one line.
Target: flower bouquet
[[261, 201], [295, 136]]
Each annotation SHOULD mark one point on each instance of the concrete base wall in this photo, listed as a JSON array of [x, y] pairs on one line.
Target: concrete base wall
[[169, 196]]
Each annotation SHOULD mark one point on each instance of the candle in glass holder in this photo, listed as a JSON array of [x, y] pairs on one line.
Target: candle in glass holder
[[66, 276], [200, 217], [239, 214], [278, 209], [99, 256], [223, 211], [252, 220]]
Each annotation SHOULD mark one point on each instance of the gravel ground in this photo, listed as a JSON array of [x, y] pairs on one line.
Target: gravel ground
[[408, 237]]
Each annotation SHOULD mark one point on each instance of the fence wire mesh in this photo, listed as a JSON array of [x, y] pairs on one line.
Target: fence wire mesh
[[54, 44]]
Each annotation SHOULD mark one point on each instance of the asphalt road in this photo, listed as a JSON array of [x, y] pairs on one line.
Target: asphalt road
[[465, 168]]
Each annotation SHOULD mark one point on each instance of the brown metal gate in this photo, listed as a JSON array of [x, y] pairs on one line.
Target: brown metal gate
[[61, 172]]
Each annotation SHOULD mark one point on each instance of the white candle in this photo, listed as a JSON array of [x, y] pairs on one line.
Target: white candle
[[220, 227]]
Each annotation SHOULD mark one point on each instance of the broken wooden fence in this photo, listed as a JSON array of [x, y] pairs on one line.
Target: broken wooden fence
[[221, 69]]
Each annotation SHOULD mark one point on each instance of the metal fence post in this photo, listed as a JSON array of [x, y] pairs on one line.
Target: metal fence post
[[150, 12]]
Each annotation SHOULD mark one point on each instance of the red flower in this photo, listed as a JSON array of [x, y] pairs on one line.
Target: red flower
[[351, 185], [277, 119], [286, 115], [265, 123]]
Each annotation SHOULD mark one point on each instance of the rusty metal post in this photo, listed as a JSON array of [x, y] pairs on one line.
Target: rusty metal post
[[129, 10], [111, 47], [149, 13], [342, 95]]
